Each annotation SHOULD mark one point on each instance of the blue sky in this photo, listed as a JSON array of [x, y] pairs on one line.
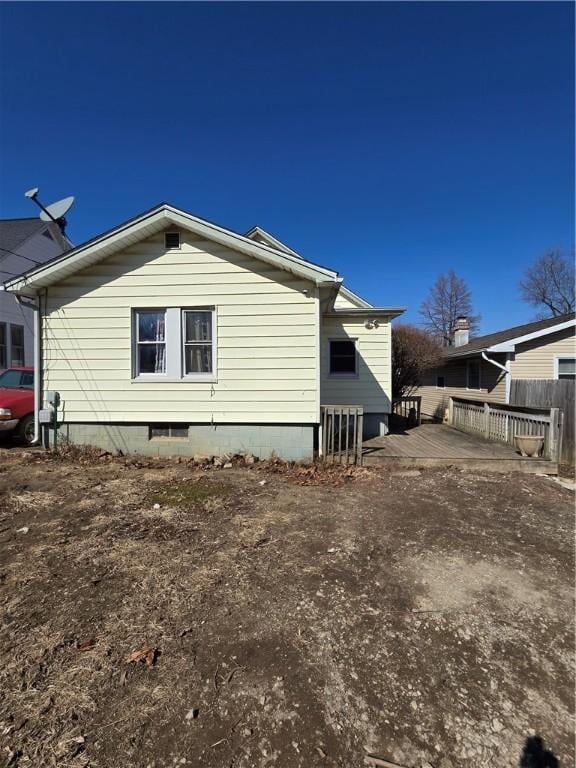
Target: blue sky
[[389, 141]]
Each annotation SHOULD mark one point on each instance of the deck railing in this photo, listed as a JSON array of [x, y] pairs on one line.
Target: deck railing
[[341, 428], [499, 422], [408, 408]]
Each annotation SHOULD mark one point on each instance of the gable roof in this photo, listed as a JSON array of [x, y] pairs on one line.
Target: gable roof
[[148, 223], [261, 235], [505, 341], [13, 232]]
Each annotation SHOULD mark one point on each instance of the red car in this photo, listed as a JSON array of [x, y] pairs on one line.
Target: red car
[[17, 403]]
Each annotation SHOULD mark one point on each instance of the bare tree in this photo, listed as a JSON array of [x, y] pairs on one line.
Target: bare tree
[[549, 284], [449, 299], [413, 352]]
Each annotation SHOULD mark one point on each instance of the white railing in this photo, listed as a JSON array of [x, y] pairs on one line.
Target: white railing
[[502, 423], [341, 428]]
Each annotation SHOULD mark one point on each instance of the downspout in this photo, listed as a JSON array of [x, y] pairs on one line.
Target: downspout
[[505, 368], [35, 307]]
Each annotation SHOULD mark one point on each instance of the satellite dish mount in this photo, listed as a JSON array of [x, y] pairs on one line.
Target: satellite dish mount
[[55, 212]]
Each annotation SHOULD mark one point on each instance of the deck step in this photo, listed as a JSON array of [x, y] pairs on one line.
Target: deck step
[[500, 465]]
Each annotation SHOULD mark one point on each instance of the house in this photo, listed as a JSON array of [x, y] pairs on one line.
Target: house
[[172, 335], [484, 368], [23, 242]]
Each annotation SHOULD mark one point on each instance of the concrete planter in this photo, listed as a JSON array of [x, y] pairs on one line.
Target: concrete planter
[[529, 445]]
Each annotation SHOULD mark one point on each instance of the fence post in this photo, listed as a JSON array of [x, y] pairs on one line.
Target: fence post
[[486, 420], [555, 434], [359, 436], [450, 411]]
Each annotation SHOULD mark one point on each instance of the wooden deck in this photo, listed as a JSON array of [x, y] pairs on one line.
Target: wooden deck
[[436, 445]]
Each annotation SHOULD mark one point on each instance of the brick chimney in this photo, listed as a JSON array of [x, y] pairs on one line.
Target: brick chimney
[[461, 331]]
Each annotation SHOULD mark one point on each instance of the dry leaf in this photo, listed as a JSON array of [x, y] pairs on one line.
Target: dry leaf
[[147, 655]]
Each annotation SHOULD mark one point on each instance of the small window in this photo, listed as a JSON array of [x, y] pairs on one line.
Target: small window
[[343, 357], [440, 382], [16, 344], [172, 241], [473, 375], [3, 355], [27, 380], [169, 431], [567, 368], [197, 337], [150, 342]]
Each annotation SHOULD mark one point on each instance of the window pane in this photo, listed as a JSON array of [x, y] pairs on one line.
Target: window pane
[[567, 367], [440, 382], [473, 376], [2, 345], [10, 379], [198, 326], [27, 380], [342, 357], [17, 344], [151, 358], [151, 326], [198, 358]]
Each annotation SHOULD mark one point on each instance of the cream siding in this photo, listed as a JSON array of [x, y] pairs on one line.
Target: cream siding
[[267, 337], [372, 387], [535, 359], [435, 400]]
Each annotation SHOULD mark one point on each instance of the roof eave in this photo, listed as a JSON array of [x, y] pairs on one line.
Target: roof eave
[[154, 221]]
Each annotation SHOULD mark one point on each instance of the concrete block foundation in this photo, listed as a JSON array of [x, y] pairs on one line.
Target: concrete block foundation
[[293, 442]]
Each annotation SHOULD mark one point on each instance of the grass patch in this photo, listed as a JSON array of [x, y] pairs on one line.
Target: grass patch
[[187, 493]]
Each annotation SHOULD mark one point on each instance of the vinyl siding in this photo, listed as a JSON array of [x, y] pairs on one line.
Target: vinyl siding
[[435, 400], [343, 303], [535, 359], [372, 387], [267, 369]]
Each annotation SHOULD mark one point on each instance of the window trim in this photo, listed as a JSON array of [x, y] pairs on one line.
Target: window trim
[[557, 359], [16, 364], [479, 387], [443, 379], [337, 375], [209, 377], [174, 345], [136, 375]]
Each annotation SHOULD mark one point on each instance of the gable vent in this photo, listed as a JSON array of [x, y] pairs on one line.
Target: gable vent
[[172, 240]]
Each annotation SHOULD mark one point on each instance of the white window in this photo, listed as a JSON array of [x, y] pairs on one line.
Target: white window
[[16, 344], [198, 341], [150, 342], [440, 382], [473, 374], [343, 357], [566, 368], [174, 344]]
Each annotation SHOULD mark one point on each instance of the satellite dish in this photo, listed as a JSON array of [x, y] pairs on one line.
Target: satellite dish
[[57, 210]]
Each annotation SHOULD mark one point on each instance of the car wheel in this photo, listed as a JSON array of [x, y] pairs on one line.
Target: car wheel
[[26, 429]]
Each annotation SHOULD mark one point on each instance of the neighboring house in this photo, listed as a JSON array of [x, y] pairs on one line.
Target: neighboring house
[[483, 369], [23, 242], [169, 334]]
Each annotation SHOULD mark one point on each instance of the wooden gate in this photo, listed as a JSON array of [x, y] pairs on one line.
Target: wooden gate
[[341, 428]]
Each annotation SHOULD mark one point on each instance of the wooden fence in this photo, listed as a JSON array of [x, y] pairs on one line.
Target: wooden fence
[[499, 422], [549, 393], [341, 428]]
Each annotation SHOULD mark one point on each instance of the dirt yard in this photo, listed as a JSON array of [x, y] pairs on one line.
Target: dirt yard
[[154, 614]]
